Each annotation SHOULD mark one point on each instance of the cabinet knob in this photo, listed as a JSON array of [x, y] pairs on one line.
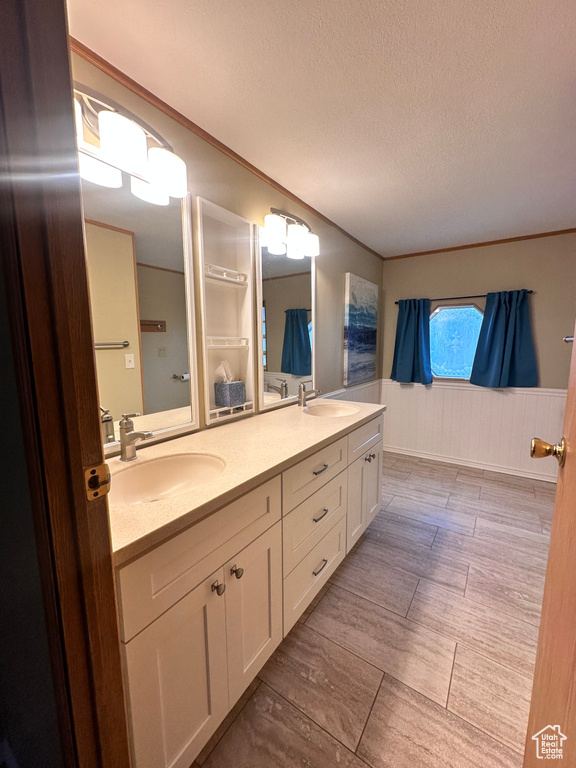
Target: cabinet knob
[[218, 588], [238, 572], [368, 458]]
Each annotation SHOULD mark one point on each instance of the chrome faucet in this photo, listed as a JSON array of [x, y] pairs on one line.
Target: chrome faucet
[[107, 426], [304, 394], [128, 437], [282, 389]]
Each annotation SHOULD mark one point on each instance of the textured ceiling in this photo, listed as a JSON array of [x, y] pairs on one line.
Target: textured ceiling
[[413, 124]]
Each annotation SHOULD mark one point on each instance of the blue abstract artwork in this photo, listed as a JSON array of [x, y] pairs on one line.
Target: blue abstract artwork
[[360, 330]]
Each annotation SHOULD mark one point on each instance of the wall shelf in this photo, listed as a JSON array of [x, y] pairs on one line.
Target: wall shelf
[[216, 273], [227, 342], [219, 414], [226, 260]]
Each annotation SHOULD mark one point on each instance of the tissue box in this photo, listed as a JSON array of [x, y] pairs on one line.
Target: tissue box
[[229, 394]]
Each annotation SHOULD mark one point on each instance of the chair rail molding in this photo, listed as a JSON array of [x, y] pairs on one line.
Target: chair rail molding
[[473, 426]]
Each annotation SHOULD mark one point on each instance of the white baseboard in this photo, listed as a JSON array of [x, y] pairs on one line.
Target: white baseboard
[[472, 464]]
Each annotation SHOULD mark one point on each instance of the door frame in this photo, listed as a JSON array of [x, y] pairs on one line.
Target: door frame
[[42, 243]]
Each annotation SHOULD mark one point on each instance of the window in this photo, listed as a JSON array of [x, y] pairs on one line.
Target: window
[[454, 335]]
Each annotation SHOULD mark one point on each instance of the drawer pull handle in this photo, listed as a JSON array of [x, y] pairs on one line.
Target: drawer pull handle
[[319, 471], [319, 570], [235, 571], [317, 519], [218, 588]]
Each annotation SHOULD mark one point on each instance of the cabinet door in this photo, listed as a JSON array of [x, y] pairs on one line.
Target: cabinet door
[[364, 491], [372, 484], [253, 608], [177, 680], [355, 520]]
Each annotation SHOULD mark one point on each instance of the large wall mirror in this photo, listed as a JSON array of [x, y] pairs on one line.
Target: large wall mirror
[[286, 327], [140, 297]]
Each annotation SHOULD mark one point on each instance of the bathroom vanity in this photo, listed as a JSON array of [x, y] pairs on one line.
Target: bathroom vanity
[[210, 580]]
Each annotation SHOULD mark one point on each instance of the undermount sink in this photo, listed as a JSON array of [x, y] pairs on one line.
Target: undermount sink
[[331, 410], [156, 479]]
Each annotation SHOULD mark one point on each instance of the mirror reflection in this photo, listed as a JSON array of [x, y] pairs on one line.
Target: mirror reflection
[[286, 307], [137, 284]]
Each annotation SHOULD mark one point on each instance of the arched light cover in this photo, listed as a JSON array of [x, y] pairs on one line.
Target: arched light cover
[[312, 245], [150, 193], [123, 143], [167, 172], [92, 169]]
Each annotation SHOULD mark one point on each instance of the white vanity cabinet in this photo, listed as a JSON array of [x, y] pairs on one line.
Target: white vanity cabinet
[[364, 478], [253, 609], [202, 612], [189, 665], [177, 679]]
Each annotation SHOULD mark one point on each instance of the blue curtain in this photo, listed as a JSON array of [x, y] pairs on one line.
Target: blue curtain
[[412, 350], [505, 352], [296, 352]]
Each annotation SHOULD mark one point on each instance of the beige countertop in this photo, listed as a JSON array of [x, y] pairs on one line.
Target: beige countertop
[[254, 449]]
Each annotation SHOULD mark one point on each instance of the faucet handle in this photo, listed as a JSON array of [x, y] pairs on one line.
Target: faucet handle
[[129, 415], [279, 379]]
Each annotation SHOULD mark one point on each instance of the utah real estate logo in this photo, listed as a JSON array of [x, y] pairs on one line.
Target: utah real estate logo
[[549, 743]]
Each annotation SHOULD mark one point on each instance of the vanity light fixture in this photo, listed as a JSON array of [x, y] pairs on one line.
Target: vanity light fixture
[[112, 140], [289, 234]]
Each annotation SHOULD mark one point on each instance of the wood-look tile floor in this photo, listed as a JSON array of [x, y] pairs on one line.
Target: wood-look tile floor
[[419, 652]]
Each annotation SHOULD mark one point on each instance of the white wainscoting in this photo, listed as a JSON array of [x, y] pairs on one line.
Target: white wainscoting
[[361, 393], [474, 426]]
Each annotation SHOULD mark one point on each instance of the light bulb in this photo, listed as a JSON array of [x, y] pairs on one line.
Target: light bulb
[[292, 252], [148, 192], [276, 248], [167, 171], [123, 143], [97, 172], [312, 245], [275, 227], [297, 236]]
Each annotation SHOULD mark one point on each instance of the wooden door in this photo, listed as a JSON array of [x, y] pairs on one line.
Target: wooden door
[[42, 247], [554, 691], [177, 681], [253, 608]]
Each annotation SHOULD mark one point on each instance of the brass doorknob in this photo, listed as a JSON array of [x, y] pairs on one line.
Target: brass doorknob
[[539, 449]]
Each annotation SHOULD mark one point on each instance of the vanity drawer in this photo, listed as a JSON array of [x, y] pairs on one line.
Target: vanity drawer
[[306, 525], [365, 437], [301, 481], [154, 582], [307, 579]]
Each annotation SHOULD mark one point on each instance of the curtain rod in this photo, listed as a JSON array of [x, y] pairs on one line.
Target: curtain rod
[[458, 298]]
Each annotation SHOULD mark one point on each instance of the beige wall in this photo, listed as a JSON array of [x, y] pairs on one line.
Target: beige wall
[[546, 265], [218, 178], [162, 296], [114, 306], [280, 295]]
